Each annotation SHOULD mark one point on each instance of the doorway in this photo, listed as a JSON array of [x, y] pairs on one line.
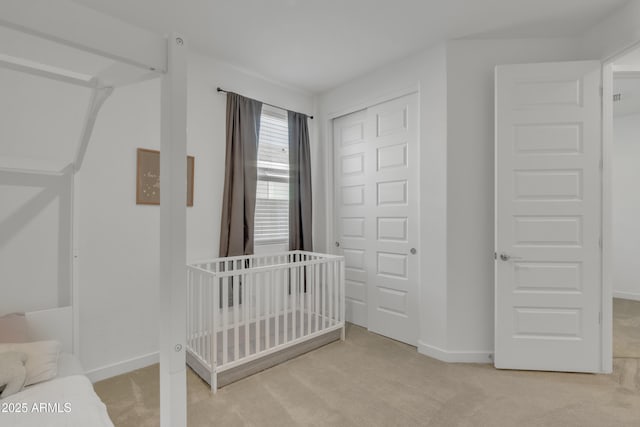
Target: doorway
[[376, 199], [624, 206]]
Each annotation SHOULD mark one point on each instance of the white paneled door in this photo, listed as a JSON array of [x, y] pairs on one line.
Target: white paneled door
[[377, 214], [548, 217]]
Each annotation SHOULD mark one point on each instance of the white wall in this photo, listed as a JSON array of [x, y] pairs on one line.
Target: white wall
[[626, 206], [35, 242], [117, 239], [35, 133], [427, 72], [615, 33], [457, 166], [206, 138]]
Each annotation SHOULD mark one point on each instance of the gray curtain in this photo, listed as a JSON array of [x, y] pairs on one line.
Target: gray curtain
[[300, 215], [241, 175]]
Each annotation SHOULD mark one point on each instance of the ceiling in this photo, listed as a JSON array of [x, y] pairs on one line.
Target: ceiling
[[315, 45]]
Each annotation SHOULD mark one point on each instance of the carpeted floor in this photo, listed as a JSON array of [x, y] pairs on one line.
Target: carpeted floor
[[369, 380]]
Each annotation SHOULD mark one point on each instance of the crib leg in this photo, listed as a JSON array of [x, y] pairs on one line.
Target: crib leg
[[214, 382]]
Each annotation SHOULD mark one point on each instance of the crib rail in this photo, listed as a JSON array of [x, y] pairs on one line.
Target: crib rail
[[242, 308]]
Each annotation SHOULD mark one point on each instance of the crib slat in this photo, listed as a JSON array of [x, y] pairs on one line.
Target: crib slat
[[336, 293], [330, 285], [196, 313], [301, 296], [294, 298], [189, 307], [214, 288], [201, 325], [207, 319], [257, 304], [330, 278], [324, 295], [267, 317], [316, 305], [236, 317], [276, 302], [247, 314], [285, 303], [342, 296], [225, 319], [300, 312], [331, 282], [310, 277], [196, 310]]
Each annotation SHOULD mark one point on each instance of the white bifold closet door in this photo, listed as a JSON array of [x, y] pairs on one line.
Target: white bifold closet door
[[377, 214]]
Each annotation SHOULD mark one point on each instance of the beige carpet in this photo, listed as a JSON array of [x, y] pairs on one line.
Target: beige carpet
[[369, 380], [626, 328]]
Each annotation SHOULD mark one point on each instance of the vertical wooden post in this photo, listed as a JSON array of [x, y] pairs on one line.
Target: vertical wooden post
[[173, 241]]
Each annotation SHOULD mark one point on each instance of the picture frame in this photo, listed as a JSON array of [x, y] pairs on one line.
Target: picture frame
[[148, 177]]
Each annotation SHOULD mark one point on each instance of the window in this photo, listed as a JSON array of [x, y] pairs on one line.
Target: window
[[272, 196]]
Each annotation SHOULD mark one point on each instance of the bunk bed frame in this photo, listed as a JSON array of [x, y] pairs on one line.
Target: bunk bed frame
[[73, 25]]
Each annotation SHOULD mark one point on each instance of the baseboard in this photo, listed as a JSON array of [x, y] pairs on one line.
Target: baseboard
[[119, 368], [626, 295], [455, 356]]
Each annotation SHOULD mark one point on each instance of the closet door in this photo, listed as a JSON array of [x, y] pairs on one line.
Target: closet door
[[377, 214], [351, 200]]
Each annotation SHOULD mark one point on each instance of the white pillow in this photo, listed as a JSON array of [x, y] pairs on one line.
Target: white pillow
[[42, 359]]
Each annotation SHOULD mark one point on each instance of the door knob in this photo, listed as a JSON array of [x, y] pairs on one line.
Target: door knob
[[506, 257], [337, 244], [413, 251]]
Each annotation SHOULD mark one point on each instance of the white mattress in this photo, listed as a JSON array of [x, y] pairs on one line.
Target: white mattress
[[69, 401]]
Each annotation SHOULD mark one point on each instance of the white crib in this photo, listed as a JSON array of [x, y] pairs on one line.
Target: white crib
[[248, 313]]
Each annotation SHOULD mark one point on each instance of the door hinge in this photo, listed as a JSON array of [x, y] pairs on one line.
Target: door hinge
[[600, 318], [601, 91], [601, 164], [495, 255], [600, 242]]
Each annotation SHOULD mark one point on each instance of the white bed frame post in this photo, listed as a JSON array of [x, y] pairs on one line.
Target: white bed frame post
[[173, 240]]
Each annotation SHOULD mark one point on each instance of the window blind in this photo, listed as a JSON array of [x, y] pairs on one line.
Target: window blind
[[272, 195]]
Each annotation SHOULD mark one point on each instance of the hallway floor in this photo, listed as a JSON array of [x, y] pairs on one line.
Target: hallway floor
[[626, 328]]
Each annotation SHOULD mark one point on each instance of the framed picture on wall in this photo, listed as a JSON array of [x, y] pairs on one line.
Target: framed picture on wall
[[148, 178]]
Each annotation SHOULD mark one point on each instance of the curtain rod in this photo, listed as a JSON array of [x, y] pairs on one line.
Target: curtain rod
[[265, 103]]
